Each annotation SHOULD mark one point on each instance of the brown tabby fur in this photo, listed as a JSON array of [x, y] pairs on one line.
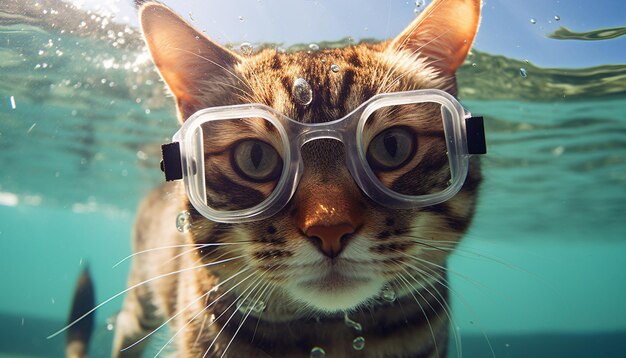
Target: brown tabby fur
[[306, 292]]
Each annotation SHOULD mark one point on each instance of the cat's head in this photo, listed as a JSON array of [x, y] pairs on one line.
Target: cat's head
[[331, 248]]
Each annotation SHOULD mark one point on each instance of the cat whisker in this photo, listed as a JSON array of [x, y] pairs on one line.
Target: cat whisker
[[421, 260], [443, 303], [203, 256], [172, 247], [186, 307], [204, 310], [243, 320], [258, 281], [442, 281], [267, 299], [135, 286], [430, 327], [452, 246]]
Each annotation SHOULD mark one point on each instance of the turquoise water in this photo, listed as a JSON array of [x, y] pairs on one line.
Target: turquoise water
[[82, 115]]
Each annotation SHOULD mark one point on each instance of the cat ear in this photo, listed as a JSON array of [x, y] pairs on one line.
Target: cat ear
[[185, 58], [443, 33]]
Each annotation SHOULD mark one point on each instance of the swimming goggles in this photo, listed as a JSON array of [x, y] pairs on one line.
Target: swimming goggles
[[243, 163]]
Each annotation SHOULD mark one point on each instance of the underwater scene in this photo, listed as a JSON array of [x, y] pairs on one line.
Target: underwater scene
[[540, 273]]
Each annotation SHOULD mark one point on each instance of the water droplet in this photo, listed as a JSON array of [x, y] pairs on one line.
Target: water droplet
[[557, 18], [111, 322], [474, 64], [334, 67], [317, 352], [523, 73], [246, 305], [241, 19], [388, 294], [246, 48], [358, 343], [302, 91], [352, 324], [314, 47], [191, 16], [183, 221], [533, 21], [323, 60]]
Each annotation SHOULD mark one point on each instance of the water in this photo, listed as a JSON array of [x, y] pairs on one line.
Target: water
[[82, 115]]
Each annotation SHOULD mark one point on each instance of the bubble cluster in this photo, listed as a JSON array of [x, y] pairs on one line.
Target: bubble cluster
[[183, 221]]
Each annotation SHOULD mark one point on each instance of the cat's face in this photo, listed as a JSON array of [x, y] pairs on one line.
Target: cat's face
[[331, 248]]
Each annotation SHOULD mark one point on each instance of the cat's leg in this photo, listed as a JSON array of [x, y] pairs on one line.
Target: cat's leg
[[137, 319]]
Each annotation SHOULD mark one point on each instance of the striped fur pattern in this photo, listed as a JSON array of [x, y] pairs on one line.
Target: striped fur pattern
[[267, 288]]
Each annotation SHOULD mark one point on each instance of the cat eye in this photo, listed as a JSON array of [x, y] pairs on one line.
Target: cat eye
[[256, 161], [391, 149]]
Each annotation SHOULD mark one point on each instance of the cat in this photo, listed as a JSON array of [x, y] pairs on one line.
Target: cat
[[331, 271]]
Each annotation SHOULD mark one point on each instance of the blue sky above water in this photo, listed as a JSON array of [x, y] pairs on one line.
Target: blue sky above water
[[506, 27]]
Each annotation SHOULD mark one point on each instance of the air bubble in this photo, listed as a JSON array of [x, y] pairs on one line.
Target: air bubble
[[246, 48], [111, 322], [388, 294], [317, 352], [358, 343], [523, 73], [334, 67], [352, 324], [183, 221], [246, 305], [533, 21], [302, 91], [314, 47]]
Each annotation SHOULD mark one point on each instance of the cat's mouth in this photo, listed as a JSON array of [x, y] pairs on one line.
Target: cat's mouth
[[335, 287], [333, 280]]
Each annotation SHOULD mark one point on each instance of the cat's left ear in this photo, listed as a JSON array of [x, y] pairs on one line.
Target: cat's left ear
[[189, 62], [443, 33]]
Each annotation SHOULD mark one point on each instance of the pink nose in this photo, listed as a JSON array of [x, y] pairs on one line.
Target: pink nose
[[331, 239]]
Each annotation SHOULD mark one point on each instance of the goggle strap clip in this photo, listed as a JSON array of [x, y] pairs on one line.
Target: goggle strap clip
[[475, 133], [171, 163]]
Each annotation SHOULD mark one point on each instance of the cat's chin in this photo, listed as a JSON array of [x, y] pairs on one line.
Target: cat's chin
[[335, 292]]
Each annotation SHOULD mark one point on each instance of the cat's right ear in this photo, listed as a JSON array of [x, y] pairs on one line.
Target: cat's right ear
[[186, 59]]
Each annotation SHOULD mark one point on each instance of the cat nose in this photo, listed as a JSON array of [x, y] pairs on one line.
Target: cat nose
[[330, 239]]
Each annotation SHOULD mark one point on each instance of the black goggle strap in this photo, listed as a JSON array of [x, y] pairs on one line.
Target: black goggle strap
[[475, 133], [171, 164]]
